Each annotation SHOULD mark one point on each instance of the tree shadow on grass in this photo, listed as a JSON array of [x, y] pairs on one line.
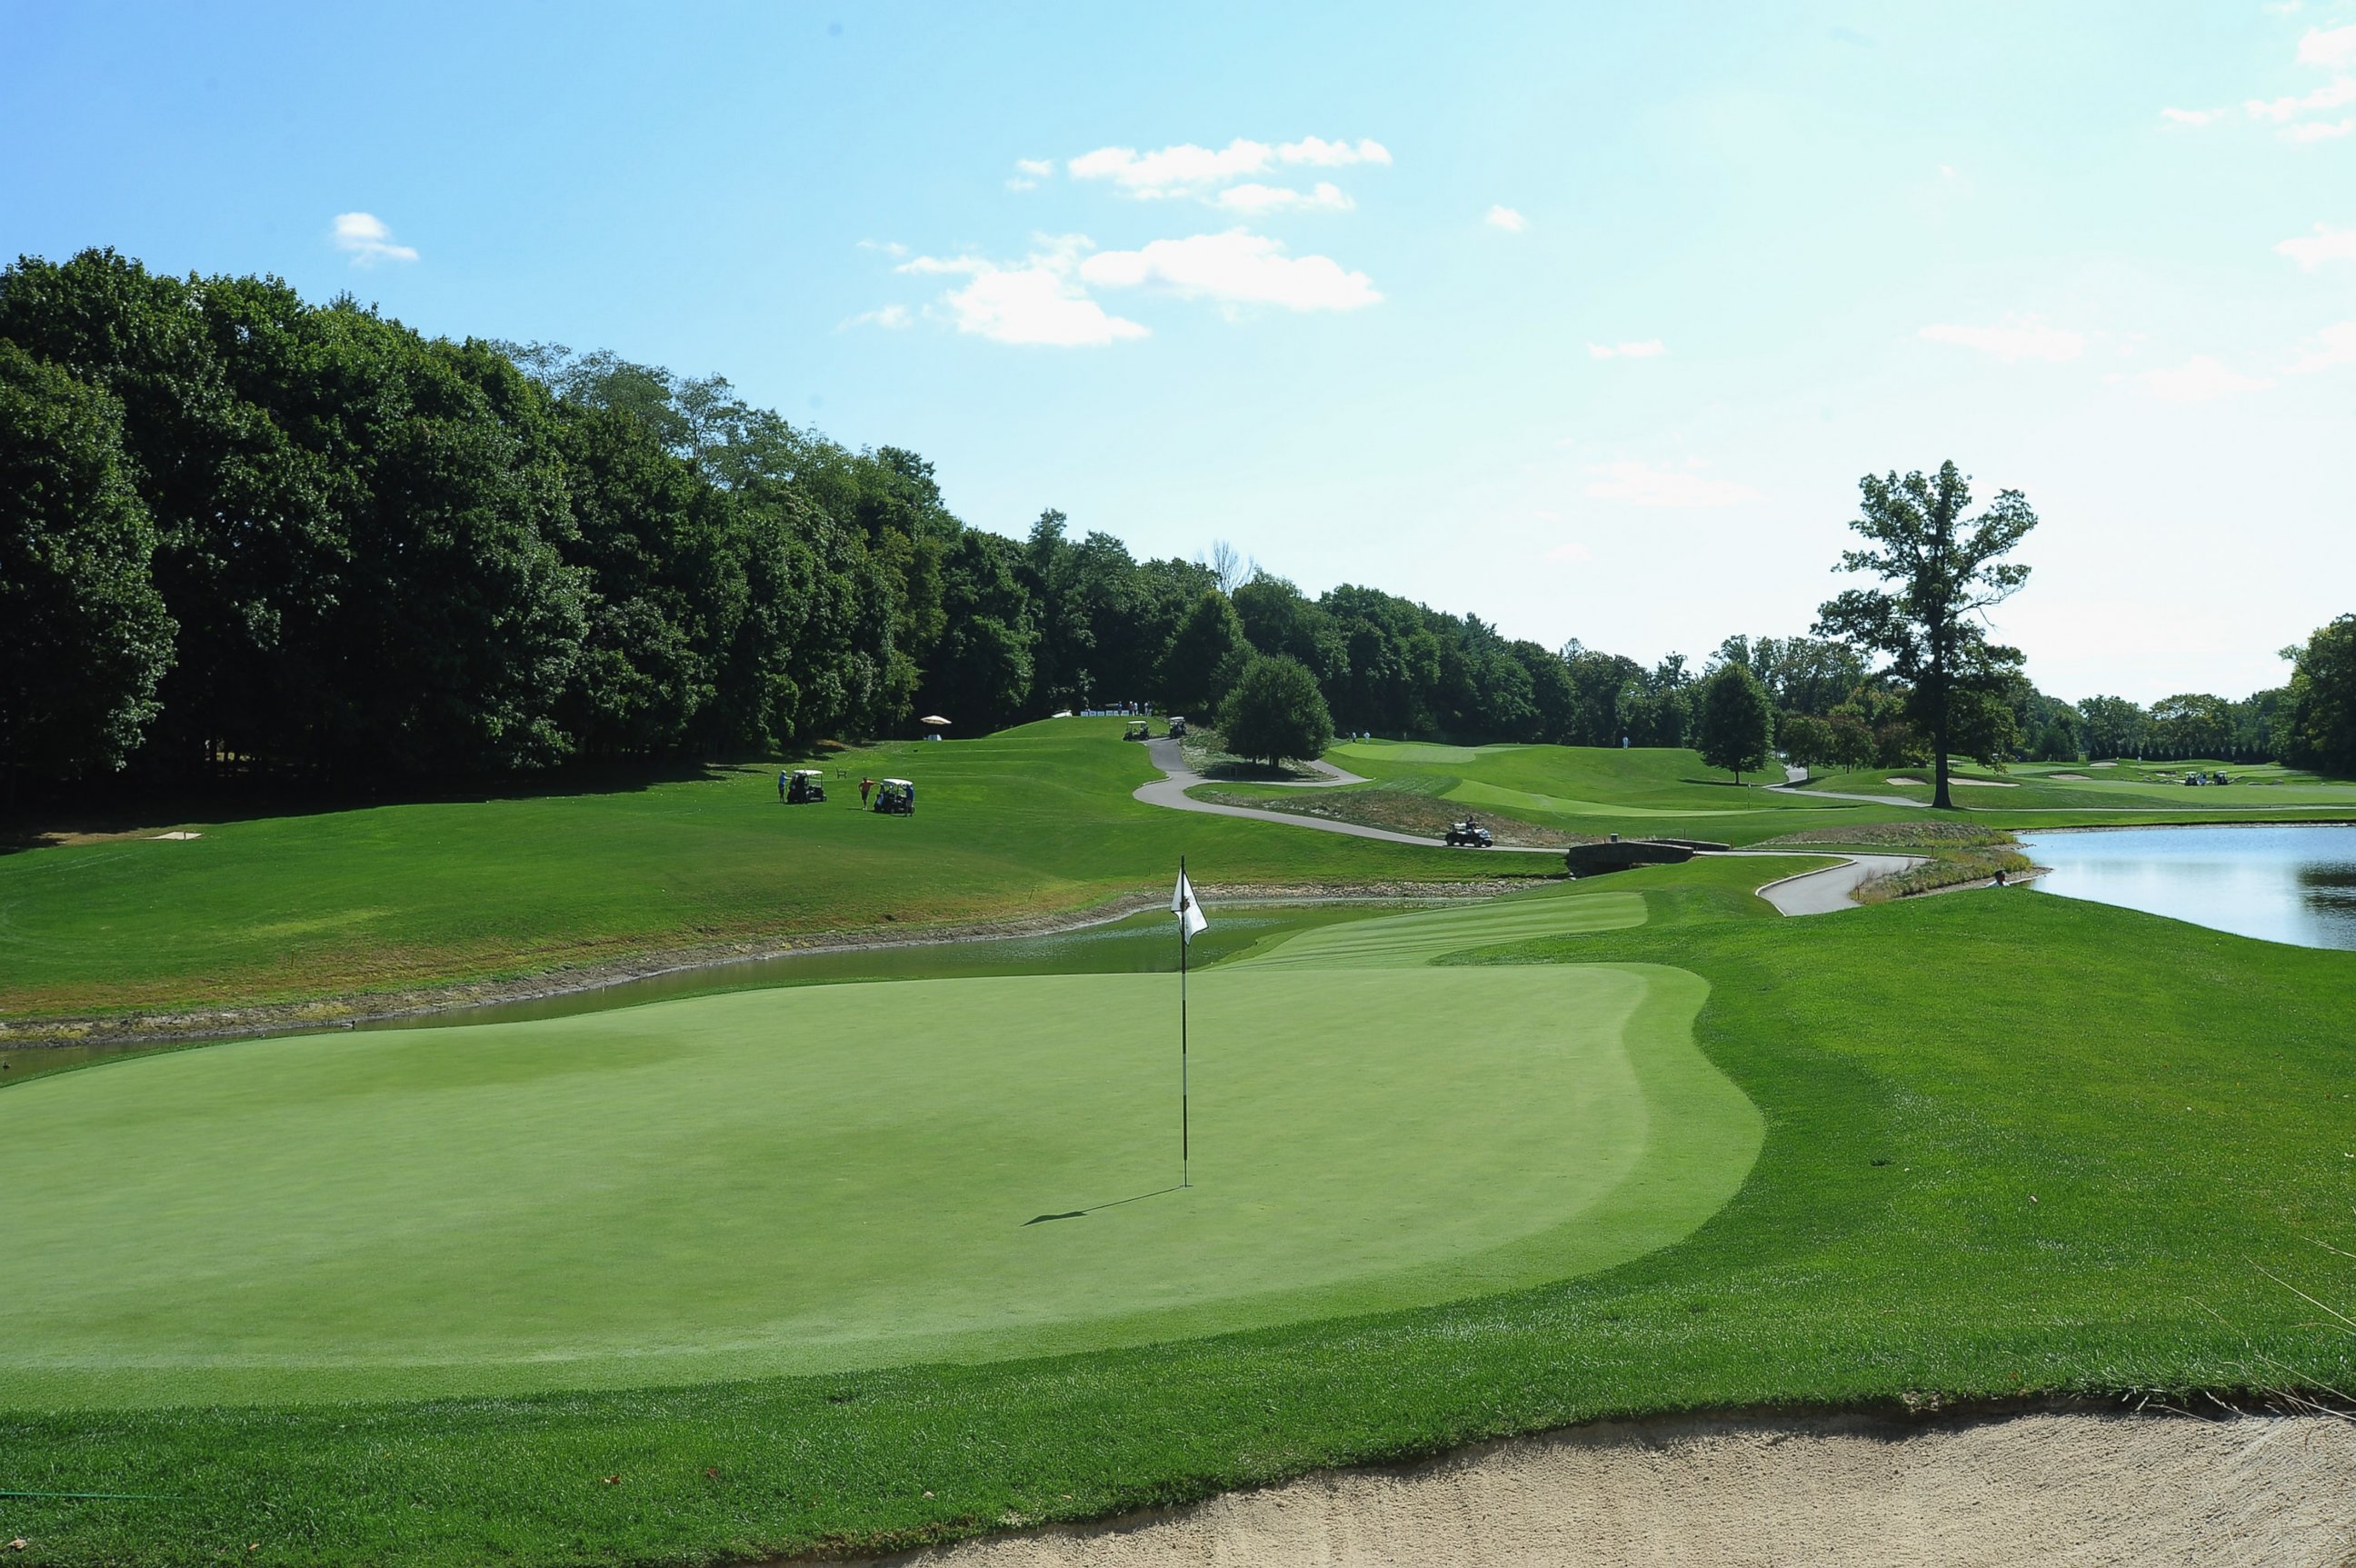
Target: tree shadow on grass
[[128, 809]]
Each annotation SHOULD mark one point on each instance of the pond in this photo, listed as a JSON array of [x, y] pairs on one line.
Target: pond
[[2293, 884]]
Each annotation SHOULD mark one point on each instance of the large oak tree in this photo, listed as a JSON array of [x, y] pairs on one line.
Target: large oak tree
[[1945, 572]]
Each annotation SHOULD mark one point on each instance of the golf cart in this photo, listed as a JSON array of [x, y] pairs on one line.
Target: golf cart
[[1137, 730], [1469, 834], [1177, 727], [896, 797], [805, 786]]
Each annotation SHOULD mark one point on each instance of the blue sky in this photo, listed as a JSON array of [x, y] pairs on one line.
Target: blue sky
[[1586, 319]]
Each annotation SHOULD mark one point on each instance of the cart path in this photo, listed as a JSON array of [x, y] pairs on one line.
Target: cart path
[[1816, 892], [1831, 888], [1177, 779]]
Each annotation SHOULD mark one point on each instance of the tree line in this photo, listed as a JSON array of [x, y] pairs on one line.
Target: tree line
[[248, 534]]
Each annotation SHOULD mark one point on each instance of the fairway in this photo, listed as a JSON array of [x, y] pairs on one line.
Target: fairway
[[840, 1176]]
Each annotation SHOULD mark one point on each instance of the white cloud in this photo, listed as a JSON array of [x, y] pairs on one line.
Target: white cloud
[[2311, 250], [2330, 95], [1573, 551], [1644, 349], [365, 238], [2201, 379], [1256, 198], [2024, 339], [1186, 169], [1173, 171], [1035, 301], [1648, 485], [889, 247], [2331, 49], [2319, 131], [890, 317], [1505, 218], [2335, 345], [1234, 268], [2192, 116], [1029, 172], [1330, 155]]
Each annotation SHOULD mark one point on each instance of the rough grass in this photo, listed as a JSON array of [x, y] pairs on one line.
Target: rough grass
[[289, 908], [2014, 1146]]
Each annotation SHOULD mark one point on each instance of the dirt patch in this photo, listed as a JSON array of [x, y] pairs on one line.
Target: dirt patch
[[1853, 1489], [165, 1026]]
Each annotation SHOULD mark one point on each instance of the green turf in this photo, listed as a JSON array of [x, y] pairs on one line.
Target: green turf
[[324, 904], [2176, 1103], [1584, 790], [2033, 789], [839, 1176]]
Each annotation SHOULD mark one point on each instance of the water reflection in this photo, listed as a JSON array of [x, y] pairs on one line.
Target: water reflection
[[2293, 884]]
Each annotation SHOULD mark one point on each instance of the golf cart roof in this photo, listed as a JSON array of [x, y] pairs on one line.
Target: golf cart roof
[[898, 783], [809, 773]]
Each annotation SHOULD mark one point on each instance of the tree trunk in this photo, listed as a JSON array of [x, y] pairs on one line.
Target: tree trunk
[[1940, 799]]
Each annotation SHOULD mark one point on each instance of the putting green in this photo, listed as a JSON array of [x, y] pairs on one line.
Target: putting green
[[832, 1178]]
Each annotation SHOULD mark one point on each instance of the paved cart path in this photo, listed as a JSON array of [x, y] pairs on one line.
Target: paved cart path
[[1808, 893], [1177, 779]]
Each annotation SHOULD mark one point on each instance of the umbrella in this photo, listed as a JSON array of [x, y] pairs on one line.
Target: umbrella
[[933, 719]]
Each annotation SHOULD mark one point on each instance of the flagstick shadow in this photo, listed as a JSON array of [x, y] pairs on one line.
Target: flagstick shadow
[[1084, 1213]]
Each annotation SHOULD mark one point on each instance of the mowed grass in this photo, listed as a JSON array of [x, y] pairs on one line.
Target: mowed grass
[[840, 1176], [2013, 1146], [1584, 790], [2035, 790], [332, 903]]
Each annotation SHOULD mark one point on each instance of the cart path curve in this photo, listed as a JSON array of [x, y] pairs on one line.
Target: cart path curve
[[1170, 788], [1815, 892], [1831, 887]]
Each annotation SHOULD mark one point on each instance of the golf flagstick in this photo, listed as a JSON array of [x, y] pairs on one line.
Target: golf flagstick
[[1190, 920]]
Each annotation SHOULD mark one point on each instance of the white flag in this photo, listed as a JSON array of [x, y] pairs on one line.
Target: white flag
[[1189, 913]]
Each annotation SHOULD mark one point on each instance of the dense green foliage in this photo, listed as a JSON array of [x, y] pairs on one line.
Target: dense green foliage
[[83, 636], [1926, 1069], [2317, 721], [381, 556], [1275, 712], [1947, 571], [1737, 730]]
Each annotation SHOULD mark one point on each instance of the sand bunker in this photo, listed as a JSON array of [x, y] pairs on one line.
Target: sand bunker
[[2069, 1487], [1953, 779], [2072, 777]]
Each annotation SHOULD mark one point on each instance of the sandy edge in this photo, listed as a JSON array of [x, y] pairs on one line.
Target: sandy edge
[[2081, 1483], [170, 1026]]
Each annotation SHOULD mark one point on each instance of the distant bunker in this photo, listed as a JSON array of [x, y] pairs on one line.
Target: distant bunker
[[1616, 854]]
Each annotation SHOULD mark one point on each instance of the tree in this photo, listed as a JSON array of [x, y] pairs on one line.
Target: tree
[[1275, 712], [1806, 739], [2112, 726], [1949, 572], [1190, 671], [2316, 726], [83, 635], [1737, 723]]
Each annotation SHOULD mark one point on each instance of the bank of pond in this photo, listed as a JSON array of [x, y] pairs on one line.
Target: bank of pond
[[2281, 883]]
